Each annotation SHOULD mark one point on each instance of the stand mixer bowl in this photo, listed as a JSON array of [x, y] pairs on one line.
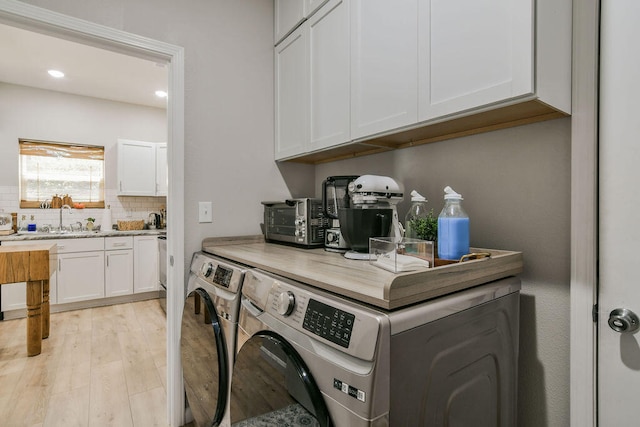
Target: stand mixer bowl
[[358, 225]]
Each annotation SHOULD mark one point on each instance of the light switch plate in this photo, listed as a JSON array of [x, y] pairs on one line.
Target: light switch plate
[[204, 212]]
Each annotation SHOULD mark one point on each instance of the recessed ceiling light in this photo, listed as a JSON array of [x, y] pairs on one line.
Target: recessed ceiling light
[[55, 73], [161, 94]]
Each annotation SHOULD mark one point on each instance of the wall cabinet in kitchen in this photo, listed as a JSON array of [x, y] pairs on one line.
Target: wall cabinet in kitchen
[[145, 263], [162, 168], [139, 173], [118, 270]]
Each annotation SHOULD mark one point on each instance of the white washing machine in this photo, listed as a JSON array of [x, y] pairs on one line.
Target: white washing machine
[[208, 337], [312, 358]]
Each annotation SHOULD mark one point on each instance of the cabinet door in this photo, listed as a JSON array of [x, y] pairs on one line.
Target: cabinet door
[[472, 54], [288, 14], [145, 263], [384, 65], [80, 276], [311, 6], [291, 95], [162, 179], [329, 75], [136, 168], [118, 272]]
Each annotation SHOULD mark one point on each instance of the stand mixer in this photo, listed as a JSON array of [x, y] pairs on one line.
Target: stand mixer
[[373, 213]]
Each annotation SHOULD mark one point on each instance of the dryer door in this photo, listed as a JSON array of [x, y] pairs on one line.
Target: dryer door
[[204, 359], [271, 385]]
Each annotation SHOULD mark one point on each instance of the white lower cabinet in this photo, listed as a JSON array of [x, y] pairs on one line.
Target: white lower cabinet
[[80, 269], [145, 263], [118, 270], [92, 268]]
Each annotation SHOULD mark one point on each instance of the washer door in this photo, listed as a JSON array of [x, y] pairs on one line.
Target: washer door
[[271, 385], [204, 359]]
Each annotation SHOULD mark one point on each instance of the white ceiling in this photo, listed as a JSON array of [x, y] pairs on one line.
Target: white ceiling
[[26, 56]]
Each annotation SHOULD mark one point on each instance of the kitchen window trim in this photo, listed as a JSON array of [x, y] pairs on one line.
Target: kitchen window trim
[[34, 204]]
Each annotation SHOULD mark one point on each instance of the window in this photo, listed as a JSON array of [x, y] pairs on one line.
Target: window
[[54, 168]]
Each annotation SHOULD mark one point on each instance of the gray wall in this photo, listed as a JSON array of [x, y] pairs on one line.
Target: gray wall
[[228, 103], [515, 182], [516, 188]]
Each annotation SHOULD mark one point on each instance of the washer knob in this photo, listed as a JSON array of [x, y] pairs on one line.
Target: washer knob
[[207, 269], [286, 303]]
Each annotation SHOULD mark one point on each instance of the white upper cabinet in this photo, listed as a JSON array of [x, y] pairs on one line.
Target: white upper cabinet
[[138, 171], [136, 168], [288, 14], [312, 6], [329, 75], [473, 54], [419, 71], [162, 169], [292, 95], [384, 63]]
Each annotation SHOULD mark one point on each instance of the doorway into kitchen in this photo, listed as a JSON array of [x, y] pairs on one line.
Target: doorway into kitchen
[[37, 20]]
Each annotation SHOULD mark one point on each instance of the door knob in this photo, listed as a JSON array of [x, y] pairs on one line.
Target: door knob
[[623, 320]]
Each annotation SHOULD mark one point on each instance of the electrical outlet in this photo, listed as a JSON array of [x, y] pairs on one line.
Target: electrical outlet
[[204, 212]]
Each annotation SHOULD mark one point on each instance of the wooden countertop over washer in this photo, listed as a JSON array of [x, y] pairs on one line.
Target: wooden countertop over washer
[[360, 280]]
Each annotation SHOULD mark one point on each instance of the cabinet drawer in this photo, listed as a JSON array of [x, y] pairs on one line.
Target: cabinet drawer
[[113, 243], [79, 245]]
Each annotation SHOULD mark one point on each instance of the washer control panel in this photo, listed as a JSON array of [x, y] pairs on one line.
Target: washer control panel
[[329, 322], [343, 325]]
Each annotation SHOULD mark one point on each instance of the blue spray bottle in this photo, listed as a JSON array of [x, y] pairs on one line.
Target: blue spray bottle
[[453, 227]]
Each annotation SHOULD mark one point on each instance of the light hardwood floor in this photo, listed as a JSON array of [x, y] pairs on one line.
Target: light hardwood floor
[[102, 366]]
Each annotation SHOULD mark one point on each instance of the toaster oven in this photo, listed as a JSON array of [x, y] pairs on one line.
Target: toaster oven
[[299, 222]]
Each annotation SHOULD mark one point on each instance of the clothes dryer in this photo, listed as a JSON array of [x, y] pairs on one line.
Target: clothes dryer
[[311, 358], [208, 337]]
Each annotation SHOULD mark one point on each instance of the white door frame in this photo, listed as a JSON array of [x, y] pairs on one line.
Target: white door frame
[[45, 21], [584, 213]]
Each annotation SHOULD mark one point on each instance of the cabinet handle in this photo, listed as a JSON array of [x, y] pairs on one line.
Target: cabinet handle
[[59, 265], [107, 260], [120, 185], [119, 244]]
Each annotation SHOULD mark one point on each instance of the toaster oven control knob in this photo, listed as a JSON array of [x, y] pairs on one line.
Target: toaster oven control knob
[[299, 221], [286, 303], [207, 269]]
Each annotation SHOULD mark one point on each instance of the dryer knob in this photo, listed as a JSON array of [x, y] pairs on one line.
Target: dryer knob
[[286, 303], [207, 269]]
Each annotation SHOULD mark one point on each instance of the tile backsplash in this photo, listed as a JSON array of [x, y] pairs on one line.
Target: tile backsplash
[[122, 208]]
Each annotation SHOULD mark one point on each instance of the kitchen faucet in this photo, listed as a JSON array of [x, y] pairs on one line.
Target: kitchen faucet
[[63, 207]]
